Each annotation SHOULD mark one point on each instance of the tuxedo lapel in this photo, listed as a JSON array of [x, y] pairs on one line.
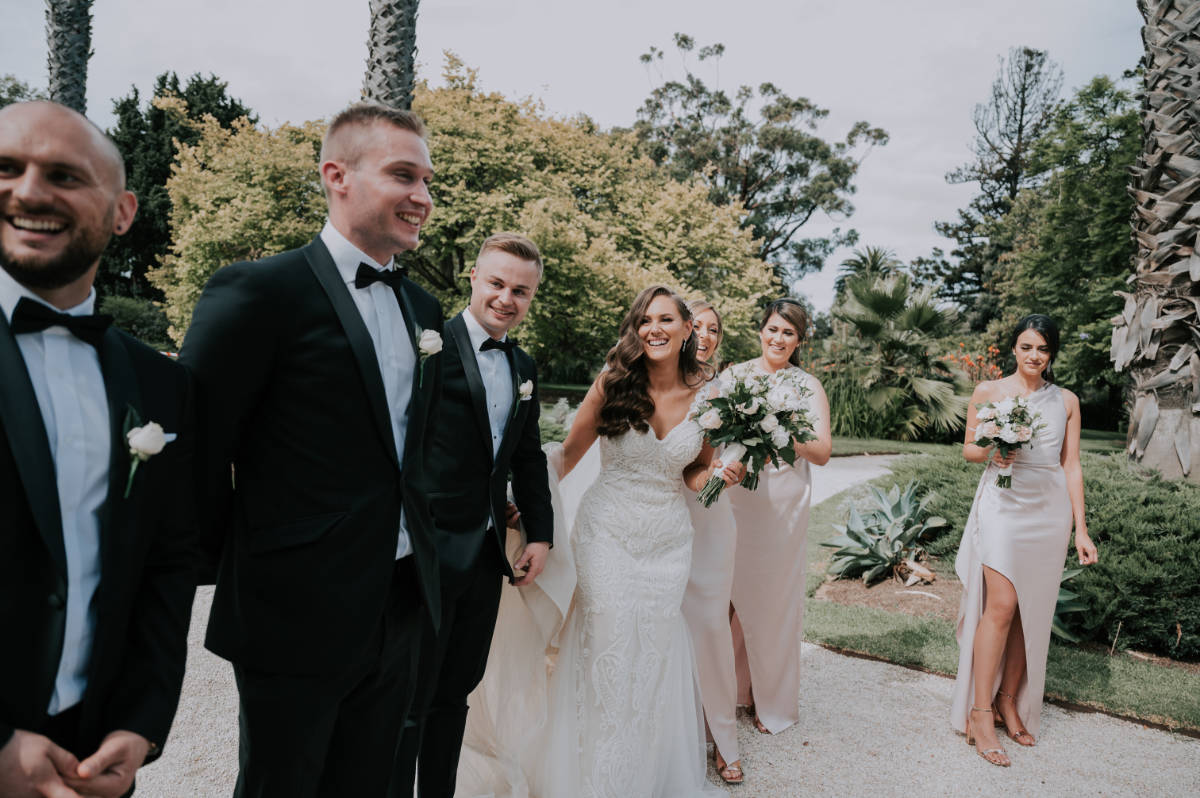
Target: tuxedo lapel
[[462, 339], [410, 324], [124, 399], [330, 278], [26, 434]]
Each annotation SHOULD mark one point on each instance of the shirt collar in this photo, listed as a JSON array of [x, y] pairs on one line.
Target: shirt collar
[[475, 330], [11, 292], [346, 256]]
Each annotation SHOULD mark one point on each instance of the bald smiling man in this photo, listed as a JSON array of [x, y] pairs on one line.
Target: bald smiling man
[[96, 544]]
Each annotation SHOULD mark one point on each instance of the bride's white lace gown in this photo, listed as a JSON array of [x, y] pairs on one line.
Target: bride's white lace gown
[[624, 714]]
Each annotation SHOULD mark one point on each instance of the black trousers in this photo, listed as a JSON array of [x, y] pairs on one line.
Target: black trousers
[[332, 736], [452, 665]]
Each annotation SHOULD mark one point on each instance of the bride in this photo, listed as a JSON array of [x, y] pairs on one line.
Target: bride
[[619, 713]]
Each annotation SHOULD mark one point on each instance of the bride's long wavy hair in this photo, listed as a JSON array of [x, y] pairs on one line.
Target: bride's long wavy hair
[[625, 382]]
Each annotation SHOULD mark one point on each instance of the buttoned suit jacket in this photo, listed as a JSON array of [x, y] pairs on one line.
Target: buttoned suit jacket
[[468, 485], [302, 483], [147, 551]]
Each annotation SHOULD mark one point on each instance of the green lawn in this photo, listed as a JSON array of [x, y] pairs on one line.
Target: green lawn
[[1121, 684]]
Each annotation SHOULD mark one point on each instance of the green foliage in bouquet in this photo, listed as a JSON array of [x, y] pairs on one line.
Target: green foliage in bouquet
[[885, 539]]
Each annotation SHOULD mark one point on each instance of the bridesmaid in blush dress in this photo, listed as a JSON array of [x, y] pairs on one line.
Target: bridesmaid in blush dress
[[1011, 557], [772, 524], [706, 600]]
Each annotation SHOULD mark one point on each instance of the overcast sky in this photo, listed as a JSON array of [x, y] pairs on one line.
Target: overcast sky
[[914, 67]]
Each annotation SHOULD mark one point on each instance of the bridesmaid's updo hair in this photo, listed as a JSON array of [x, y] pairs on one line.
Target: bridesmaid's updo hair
[[1044, 326], [794, 314], [625, 383]]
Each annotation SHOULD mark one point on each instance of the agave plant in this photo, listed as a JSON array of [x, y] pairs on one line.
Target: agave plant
[[884, 540], [892, 329], [1067, 602]]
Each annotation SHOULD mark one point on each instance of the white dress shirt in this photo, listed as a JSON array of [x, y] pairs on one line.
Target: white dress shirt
[[497, 377], [381, 313], [69, 386]]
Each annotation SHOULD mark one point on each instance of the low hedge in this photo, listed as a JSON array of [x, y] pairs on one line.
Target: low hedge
[[1147, 583]]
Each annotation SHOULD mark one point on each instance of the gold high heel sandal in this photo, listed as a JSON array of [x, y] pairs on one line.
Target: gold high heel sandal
[[1021, 734], [995, 756], [731, 772]]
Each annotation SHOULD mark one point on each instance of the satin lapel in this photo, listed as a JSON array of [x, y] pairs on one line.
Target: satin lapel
[[508, 441], [30, 447], [462, 339], [120, 385], [330, 278]]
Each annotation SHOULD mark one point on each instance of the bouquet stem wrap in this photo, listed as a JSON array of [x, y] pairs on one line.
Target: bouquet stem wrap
[[733, 453], [1004, 480]]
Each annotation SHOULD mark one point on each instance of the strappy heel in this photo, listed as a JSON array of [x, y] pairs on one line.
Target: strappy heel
[[995, 756], [1021, 734], [731, 772]]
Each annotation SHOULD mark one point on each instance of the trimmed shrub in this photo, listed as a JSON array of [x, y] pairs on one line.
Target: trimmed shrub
[[141, 318], [1147, 582]]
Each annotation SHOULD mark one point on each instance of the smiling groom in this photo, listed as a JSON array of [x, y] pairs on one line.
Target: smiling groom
[[487, 430]]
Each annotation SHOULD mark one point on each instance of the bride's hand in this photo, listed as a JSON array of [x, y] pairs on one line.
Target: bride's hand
[[731, 474]]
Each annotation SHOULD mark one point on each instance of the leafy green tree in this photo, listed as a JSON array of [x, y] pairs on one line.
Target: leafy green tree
[[68, 49], [1072, 247], [391, 52], [146, 135], [608, 222], [13, 90], [886, 345], [758, 149], [1022, 105]]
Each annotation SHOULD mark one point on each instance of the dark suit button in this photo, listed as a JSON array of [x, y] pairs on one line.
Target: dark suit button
[[56, 601]]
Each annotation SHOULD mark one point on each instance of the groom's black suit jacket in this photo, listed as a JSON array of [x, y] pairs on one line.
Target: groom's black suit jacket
[[290, 395], [147, 553], [468, 484]]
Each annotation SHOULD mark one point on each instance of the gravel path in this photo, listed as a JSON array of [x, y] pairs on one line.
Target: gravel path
[[866, 728]]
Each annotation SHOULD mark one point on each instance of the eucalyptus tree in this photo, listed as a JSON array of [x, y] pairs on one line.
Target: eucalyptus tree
[[68, 48], [1157, 334], [391, 53]]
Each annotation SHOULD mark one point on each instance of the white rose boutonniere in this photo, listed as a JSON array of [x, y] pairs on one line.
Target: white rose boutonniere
[[429, 343], [525, 390], [145, 441]]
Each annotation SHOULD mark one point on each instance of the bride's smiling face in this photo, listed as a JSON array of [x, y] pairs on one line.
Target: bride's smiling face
[[663, 330]]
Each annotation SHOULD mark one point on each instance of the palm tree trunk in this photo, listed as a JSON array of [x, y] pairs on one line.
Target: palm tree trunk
[[1157, 335], [391, 53], [68, 48]]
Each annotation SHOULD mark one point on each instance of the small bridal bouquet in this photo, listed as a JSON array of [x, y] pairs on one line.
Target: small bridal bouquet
[[1007, 425], [758, 417]]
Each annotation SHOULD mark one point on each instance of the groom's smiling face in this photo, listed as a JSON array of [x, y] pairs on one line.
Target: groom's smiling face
[[502, 286]]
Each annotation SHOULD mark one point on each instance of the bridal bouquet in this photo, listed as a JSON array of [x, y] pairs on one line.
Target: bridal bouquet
[[1007, 425], [758, 417]]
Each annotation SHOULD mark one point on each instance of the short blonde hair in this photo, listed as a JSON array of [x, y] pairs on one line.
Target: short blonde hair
[[514, 244], [363, 114]]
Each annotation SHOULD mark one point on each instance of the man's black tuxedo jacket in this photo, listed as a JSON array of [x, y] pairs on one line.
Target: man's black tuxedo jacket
[[290, 394], [147, 552], [468, 486]]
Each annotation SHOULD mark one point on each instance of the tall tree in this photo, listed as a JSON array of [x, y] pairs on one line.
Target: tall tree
[[1072, 247], [1157, 334], [68, 48], [1021, 106], [147, 135], [391, 53], [757, 149]]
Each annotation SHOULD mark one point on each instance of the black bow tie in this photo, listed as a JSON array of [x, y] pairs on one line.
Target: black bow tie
[[367, 275], [30, 316], [505, 346]]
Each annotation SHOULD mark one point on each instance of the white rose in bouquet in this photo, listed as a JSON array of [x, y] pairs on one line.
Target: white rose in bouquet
[[780, 395], [1004, 407], [1024, 434], [769, 424], [986, 413], [988, 429], [710, 419], [1009, 435], [780, 437]]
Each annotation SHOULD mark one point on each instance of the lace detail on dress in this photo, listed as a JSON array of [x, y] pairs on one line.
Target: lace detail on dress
[[632, 546]]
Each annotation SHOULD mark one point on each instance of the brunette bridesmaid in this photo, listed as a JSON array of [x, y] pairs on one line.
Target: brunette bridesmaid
[[772, 524], [1011, 557], [706, 600]]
